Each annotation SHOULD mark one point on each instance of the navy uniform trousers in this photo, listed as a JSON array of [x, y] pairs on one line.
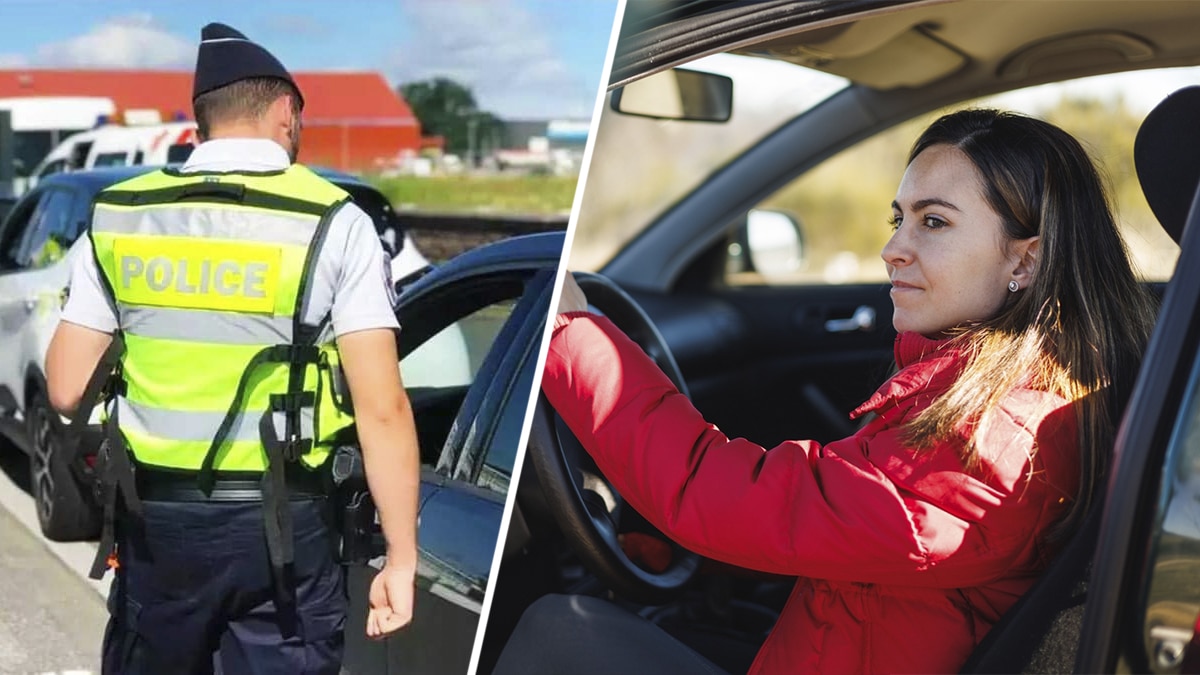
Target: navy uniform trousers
[[194, 594]]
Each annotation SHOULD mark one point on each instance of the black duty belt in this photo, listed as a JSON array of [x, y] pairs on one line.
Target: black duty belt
[[159, 485]]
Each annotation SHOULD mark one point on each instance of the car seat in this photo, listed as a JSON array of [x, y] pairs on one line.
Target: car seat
[[1041, 632]]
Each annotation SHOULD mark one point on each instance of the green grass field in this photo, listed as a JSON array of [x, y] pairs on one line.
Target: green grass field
[[486, 194]]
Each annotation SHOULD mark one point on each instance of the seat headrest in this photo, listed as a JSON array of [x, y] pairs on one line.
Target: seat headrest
[[1166, 155]]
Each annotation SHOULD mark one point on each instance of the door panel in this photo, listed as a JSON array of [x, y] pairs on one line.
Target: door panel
[[763, 363], [457, 531], [17, 304]]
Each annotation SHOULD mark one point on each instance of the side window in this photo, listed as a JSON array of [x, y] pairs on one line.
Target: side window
[[51, 231], [454, 330], [110, 159], [502, 452], [1172, 601], [474, 429], [79, 154], [452, 357], [827, 226], [16, 229], [840, 208], [54, 167]]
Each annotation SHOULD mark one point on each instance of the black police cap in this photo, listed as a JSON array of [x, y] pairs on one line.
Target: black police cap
[[227, 56]]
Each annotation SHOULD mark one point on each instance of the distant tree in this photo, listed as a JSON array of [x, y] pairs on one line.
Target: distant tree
[[448, 109]]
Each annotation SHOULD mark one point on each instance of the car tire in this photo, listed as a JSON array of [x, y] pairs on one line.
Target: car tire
[[65, 509]]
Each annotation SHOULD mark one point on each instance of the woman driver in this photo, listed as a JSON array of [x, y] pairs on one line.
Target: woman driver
[[1021, 329]]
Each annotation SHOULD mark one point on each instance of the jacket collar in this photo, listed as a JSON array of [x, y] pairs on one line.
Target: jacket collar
[[924, 363], [237, 154]]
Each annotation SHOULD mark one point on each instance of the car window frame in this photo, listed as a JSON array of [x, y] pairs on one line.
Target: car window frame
[[1112, 633], [495, 368], [501, 400]]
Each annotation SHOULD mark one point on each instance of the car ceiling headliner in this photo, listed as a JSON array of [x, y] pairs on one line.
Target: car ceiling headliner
[[1001, 43]]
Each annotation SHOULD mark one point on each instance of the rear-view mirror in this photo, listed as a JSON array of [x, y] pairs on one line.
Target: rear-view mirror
[[677, 94]]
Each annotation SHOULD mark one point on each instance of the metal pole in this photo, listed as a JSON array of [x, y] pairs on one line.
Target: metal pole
[[7, 172], [472, 122]]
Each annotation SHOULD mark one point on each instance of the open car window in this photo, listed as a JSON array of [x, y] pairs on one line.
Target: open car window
[[460, 368]]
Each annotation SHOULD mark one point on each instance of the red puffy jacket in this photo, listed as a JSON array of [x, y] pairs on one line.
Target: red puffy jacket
[[904, 559]]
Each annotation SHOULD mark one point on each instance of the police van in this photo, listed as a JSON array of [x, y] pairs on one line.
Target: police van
[[41, 123], [115, 145]]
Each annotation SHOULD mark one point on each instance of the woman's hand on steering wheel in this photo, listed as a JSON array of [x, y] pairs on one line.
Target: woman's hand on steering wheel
[[572, 298], [586, 506]]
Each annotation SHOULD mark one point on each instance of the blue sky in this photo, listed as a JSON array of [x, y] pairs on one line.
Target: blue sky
[[522, 58]]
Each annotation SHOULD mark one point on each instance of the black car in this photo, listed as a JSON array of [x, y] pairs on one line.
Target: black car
[[750, 237]]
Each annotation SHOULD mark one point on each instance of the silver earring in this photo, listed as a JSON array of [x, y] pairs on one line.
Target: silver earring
[[1013, 286]]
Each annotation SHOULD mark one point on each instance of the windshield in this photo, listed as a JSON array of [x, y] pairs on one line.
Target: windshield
[[641, 166]]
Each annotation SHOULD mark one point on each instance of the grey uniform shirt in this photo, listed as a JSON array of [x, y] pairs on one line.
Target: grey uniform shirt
[[352, 281]]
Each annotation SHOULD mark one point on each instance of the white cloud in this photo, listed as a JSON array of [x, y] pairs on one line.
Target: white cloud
[[296, 25], [497, 49], [13, 61], [130, 41]]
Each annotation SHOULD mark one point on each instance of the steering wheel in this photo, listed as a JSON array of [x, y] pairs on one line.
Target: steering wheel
[[585, 504]]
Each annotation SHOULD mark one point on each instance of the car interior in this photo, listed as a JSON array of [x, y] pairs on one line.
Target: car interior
[[764, 360]]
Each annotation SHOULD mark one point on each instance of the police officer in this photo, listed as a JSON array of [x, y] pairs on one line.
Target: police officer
[[252, 303]]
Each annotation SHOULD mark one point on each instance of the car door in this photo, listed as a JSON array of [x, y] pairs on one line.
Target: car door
[[16, 305], [464, 484]]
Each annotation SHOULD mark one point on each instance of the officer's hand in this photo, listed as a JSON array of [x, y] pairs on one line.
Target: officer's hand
[[391, 601], [572, 298]]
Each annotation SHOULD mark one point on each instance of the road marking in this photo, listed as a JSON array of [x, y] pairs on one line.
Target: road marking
[[77, 555]]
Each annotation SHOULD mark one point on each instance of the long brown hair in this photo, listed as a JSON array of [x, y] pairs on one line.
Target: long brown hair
[[1080, 327]]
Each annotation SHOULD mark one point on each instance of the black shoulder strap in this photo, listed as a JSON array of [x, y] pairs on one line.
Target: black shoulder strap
[[105, 379], [301, 353]]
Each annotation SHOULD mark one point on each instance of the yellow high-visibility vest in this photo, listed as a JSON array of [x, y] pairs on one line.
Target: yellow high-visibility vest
[[210, 275]]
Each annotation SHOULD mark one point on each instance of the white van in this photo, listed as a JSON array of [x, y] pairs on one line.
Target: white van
[[40, 123], [115, 145]]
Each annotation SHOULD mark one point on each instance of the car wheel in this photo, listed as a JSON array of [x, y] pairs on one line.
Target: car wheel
[[65, 509]]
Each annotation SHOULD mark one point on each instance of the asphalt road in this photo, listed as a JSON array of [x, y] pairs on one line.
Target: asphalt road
[[51, 619]]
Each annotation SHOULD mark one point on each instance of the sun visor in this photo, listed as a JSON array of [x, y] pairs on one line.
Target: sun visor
[[872, 54]]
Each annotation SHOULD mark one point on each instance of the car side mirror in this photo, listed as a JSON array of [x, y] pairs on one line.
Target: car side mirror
[[770, 243], [677, 94]]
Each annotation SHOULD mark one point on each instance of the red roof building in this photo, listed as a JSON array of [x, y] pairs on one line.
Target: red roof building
[[352, 120]]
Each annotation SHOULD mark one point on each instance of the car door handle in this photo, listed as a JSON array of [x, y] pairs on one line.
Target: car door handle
[[863, 320]]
